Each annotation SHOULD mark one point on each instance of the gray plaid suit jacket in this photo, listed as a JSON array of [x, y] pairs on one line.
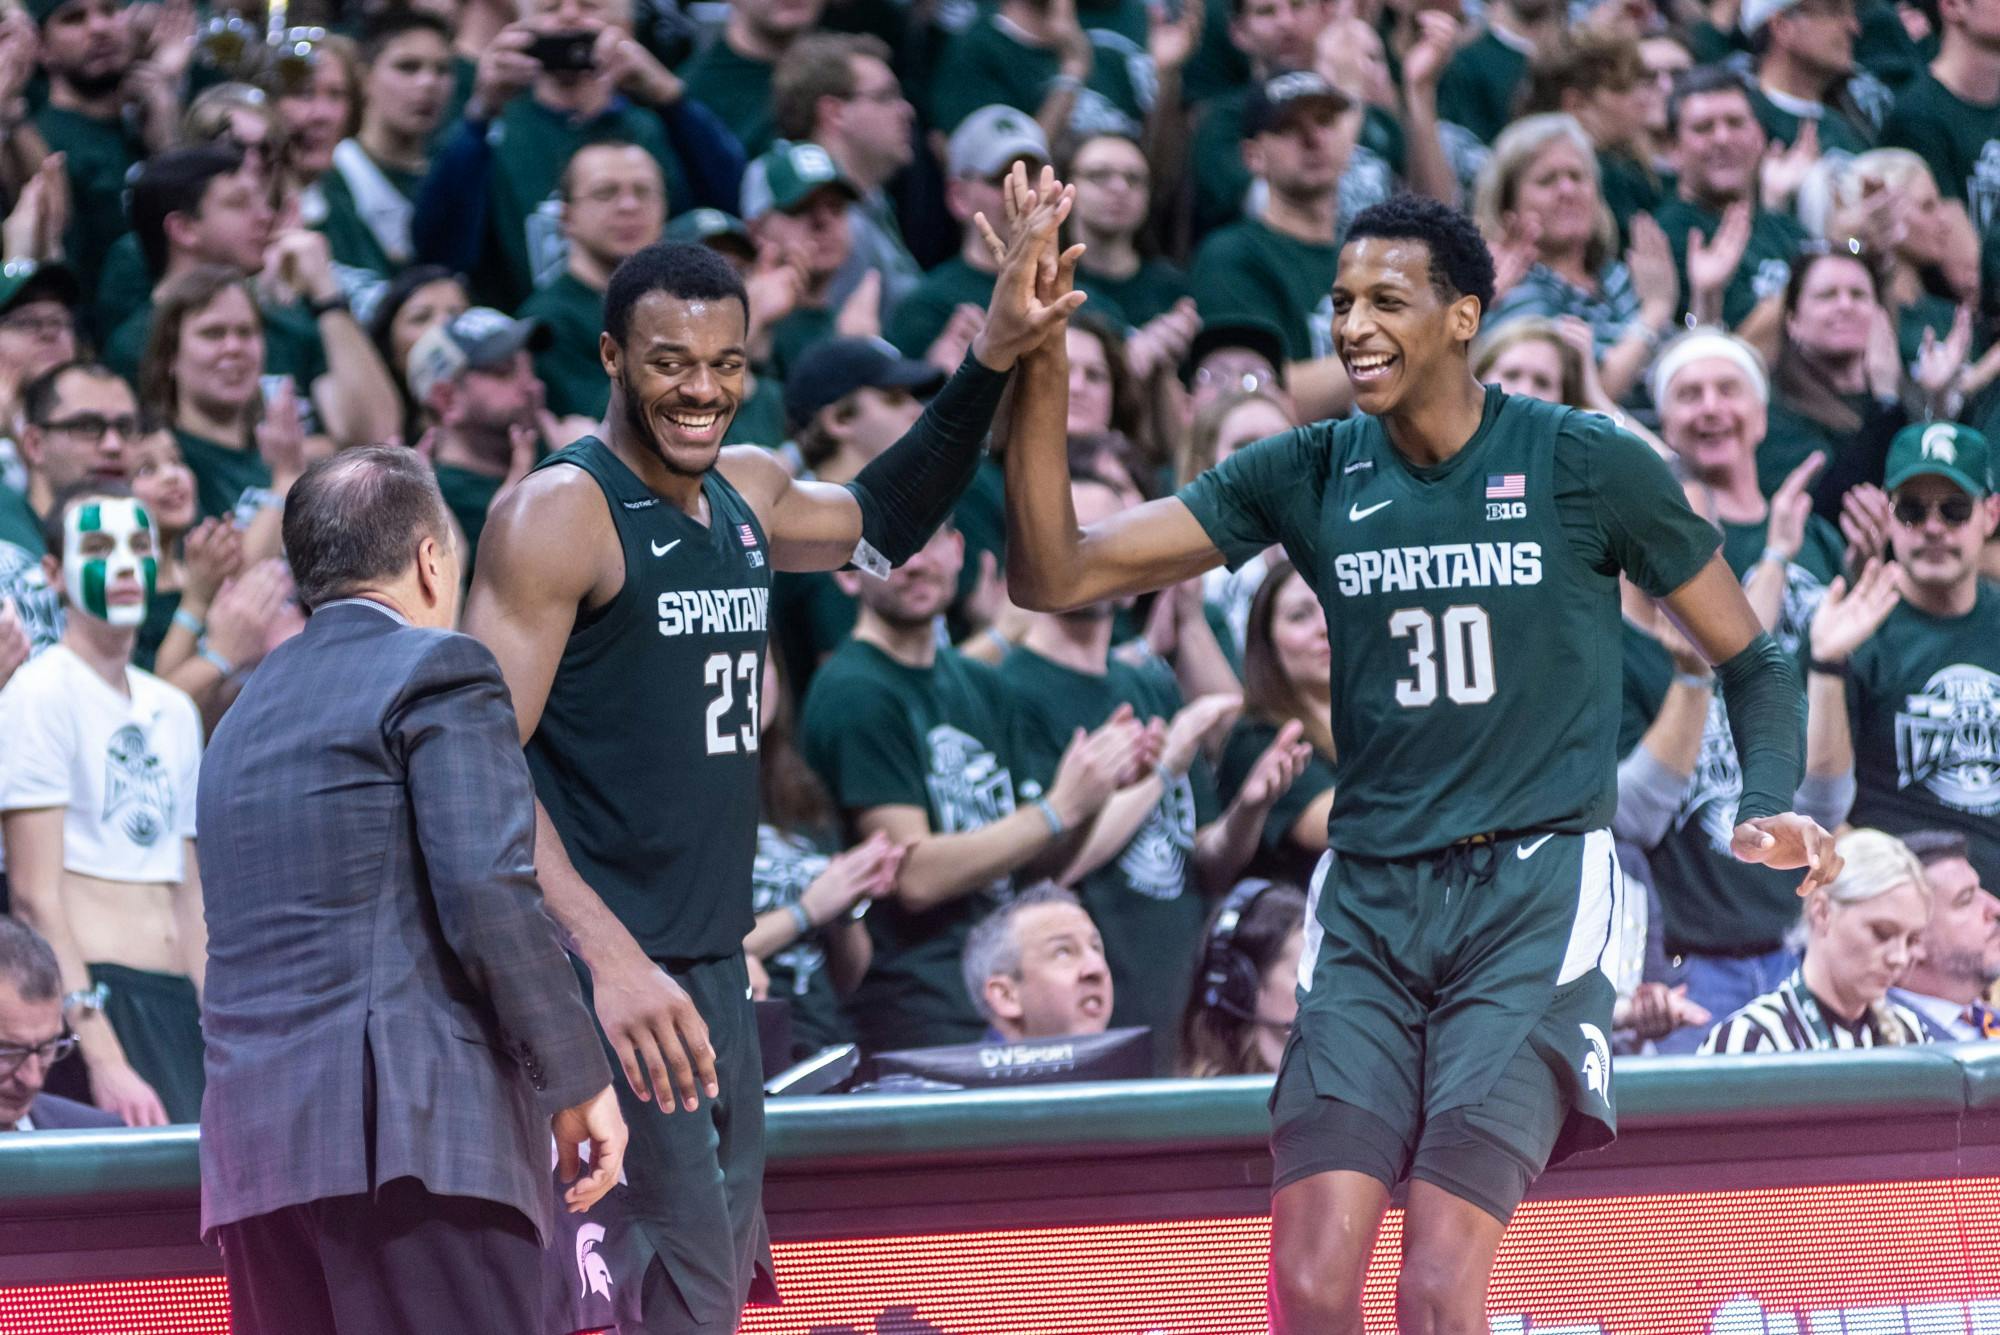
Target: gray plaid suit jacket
[[385, 996]]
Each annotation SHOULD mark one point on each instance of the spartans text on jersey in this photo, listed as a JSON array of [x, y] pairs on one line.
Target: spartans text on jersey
[[713, 611], [1445, 565]]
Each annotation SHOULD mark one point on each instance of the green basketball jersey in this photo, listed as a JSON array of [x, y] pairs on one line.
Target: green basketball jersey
[[1923, 697], [646, 756], [1472, 607]]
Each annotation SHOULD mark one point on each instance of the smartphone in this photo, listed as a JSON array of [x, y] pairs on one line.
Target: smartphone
[[564, 52]]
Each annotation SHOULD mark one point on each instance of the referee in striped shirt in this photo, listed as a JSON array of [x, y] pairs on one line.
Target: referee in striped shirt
[[1861, 931]]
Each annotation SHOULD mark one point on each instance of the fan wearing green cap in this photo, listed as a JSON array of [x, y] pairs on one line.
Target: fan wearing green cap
[[1904, 684], [614, 201], [796, 201], [87, 48]]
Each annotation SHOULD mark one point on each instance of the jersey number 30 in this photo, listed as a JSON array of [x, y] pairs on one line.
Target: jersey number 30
[[1467, 633], [717, 675]]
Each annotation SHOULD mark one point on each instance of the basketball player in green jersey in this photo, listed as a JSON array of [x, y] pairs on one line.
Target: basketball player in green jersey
[[1454, 999], [624, 587]]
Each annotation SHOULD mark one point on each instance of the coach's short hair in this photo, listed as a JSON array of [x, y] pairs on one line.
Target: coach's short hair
[[354, 520], [991, 948], [28, 962]]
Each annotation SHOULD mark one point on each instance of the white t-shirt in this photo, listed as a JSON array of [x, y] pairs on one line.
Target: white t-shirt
[[125, 769]]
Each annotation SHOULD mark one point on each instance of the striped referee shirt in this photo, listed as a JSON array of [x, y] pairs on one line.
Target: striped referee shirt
[[1790, 1019]]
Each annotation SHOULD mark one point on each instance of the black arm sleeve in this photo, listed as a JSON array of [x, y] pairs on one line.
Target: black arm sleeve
[[910, 488], [1767, 719]]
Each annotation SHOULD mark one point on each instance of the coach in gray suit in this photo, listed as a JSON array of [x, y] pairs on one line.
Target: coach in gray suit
[[392, 1027]]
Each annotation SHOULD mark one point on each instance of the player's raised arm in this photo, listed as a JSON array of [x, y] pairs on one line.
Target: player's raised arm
[[888, 512], [1767, 720], [1052, 564]]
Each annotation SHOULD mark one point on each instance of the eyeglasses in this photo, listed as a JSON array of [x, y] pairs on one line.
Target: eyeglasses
[[1953, 510], [1249, 382], [14, 1056], [52, 325], [881, 97], [93, 427]]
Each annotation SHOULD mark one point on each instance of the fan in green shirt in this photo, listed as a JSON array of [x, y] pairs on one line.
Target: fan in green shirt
[[1952, 132], [1484, 81], [1280, 267], [474, 379], [614, 203], [1721, 147], [1011, 56], [1806, 73], [917, 741], [1113, 199], [796, 201], [1162, 847], [732, 75], [978, 157]]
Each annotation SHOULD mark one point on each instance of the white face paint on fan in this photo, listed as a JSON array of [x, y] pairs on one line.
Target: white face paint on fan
[[107, 558]]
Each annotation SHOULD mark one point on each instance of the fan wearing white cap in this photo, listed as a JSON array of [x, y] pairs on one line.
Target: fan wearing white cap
[[1805, 62], [1726, 919]]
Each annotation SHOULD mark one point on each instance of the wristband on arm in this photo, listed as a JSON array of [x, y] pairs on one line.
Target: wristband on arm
[[1767, 720], [910, 488]]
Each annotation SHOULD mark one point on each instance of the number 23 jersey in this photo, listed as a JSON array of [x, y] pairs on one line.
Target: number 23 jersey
[[646, 754], [1472, 609]]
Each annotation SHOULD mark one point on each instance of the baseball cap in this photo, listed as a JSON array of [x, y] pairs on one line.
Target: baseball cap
[[709, 227], [1259, 336], [831, 370], [1956, 453], [1757, 13], [993, 137], [787, 176], [1281, 96], [41, 11], [477, 340], [22, 281]]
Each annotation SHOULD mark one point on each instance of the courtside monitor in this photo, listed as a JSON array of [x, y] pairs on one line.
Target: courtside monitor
[[1117, 1054]]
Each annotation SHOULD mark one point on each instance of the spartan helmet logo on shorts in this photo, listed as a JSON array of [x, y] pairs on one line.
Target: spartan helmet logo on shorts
[[1596, 1067], [1948, 739], [592, 1270], [136, 792]]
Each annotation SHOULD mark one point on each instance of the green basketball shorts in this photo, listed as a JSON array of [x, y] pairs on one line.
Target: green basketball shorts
[[1454, 1017]]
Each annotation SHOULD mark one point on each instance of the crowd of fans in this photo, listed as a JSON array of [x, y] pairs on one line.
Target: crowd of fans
[[1764, 235]]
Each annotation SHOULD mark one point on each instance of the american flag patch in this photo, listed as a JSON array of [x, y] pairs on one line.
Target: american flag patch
[[749, 535], [1506, 486]]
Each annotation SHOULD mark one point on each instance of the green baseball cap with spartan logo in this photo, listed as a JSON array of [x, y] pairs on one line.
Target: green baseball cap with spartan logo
[[1956, 453], [787, 176]]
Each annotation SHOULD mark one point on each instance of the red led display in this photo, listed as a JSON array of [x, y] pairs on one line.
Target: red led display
[[1899, 1258]]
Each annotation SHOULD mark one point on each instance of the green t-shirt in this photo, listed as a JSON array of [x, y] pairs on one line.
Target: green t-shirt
[[1249, 271], [1714, 904], [160, 609], [786, 864], [1481, 83], [21, 577], [531, 144], [1145, 900], [123, 286], [1472, 608], [1959, 139], [737, 89], [981, 520], [1885, 48], [1838, 136], [292, 345], [222, 474], [938, 738], [1629, 189], [923, 314], [760, 419], [347, 236], [1279, 856], [1222, 180], [810, 617], [469, 495], [569, 368], [1923, 699], [800, 330], [1218, 68], [1131, 302], [97, 154], [1790, 436], [985, 64], [1766, 266]]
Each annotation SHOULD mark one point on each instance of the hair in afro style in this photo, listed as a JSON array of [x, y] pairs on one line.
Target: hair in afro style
[[679, 269], [1461, 265]]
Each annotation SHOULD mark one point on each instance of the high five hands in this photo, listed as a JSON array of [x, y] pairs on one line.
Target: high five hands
[[1033, 296]]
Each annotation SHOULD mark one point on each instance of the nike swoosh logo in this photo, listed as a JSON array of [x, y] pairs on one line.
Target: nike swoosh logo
[[1526, 851], [1356, 513], [658, 550]]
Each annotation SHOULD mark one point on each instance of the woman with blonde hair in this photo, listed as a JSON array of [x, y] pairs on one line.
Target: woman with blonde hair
[[1550, 360], [1861, 931], [1540, 202]]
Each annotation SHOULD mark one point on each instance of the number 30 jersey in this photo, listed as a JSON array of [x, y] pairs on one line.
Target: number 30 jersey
[[646, 754], [1472, 609]]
